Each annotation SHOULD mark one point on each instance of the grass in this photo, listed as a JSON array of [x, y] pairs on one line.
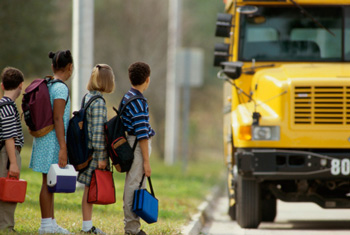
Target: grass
[[179, 194]]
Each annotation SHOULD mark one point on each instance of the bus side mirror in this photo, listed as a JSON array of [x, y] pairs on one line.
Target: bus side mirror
[[232, 70], [223, 25], [221, 53]]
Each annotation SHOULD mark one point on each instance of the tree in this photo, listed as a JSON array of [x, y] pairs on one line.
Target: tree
[[134, 30], [125, 32], [130, 31], [27, 35]]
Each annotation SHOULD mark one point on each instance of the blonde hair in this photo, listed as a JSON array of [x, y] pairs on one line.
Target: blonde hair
[[102, 79]]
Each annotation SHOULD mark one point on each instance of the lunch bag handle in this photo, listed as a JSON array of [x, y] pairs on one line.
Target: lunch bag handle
[[149, 182]]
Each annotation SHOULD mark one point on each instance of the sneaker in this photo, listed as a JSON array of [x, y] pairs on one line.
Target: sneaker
[[59, 229], [46, 230], [94, 230], [139, 233]]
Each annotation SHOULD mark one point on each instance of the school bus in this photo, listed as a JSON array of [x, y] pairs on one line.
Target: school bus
[[286, 129]]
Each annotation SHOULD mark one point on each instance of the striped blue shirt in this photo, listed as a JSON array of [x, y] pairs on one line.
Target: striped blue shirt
[[136, 116]]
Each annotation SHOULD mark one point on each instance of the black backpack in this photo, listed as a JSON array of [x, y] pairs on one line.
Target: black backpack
[[79, 155], [119, 150]]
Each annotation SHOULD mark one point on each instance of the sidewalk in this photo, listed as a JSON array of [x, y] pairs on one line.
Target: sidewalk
[[205, 210]]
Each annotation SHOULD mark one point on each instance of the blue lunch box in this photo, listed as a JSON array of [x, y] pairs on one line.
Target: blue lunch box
[[146, 204]]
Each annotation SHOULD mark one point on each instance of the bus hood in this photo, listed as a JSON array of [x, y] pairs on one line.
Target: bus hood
[[308, 71], [274, 88], [306, 102]]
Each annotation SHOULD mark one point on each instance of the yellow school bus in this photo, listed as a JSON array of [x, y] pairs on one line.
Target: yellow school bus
[[286, 72]]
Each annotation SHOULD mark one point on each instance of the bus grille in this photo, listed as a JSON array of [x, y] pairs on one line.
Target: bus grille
[[322, 105]]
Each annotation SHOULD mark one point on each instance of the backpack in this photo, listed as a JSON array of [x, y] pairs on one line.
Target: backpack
[[118, 148], [79, 154], [36, 106], [2, 142]]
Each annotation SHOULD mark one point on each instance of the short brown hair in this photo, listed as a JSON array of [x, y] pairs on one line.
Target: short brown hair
[[138, 73], [102, 79], [11, 78]]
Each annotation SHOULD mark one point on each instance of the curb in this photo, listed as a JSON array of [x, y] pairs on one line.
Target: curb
[[198, 220]]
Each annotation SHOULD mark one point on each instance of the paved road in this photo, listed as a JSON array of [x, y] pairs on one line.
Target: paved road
[[292, 218]]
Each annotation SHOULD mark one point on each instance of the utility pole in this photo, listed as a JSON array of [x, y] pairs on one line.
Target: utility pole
[[83, 48], [171, 115]]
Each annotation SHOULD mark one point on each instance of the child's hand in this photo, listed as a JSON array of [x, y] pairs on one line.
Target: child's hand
[[62, 158], [102, 164], [14, 170], [147, 168]]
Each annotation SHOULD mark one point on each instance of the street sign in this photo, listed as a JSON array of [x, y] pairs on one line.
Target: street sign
[[189, 67]]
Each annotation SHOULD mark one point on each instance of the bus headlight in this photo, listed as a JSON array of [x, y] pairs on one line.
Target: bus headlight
[[265, 132]]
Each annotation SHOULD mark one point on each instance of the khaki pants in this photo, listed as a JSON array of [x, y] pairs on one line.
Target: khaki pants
[[132, 181], [7, 209]]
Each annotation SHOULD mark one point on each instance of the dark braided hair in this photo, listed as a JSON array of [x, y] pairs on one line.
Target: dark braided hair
[[60, 59]]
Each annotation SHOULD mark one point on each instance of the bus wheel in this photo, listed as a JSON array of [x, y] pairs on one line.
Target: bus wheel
[[248, 203], [268, 209]]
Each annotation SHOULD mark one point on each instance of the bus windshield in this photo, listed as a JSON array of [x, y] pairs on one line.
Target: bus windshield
[[286, 34]]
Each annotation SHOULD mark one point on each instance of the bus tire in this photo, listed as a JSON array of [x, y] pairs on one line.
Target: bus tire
[[269, 209], [248, 203]]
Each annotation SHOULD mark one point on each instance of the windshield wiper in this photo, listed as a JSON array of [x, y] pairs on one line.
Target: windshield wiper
[[251, 70], [306, 13]]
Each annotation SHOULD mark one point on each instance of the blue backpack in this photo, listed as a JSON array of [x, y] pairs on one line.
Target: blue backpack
[[79, 155]]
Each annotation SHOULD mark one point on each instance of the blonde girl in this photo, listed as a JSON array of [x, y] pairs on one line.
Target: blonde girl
[[101, 81]]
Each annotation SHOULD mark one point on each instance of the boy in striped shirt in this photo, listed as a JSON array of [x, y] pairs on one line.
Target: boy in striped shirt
[[11, 139], [136, 121]]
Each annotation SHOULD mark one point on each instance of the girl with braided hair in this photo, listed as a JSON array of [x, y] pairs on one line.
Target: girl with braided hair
[[51, 148]]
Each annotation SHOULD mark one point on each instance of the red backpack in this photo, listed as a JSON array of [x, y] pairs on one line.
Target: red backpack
[[36, 107]]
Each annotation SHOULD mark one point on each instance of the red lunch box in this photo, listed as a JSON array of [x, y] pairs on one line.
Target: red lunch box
[[12, 189]]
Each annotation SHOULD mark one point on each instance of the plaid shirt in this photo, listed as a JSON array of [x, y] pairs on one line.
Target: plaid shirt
[[96, 115]]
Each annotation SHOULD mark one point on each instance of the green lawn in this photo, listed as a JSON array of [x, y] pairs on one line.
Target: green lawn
[[179, 193]]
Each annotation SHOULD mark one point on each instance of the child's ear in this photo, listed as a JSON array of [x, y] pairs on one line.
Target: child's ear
[[2, 87]]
